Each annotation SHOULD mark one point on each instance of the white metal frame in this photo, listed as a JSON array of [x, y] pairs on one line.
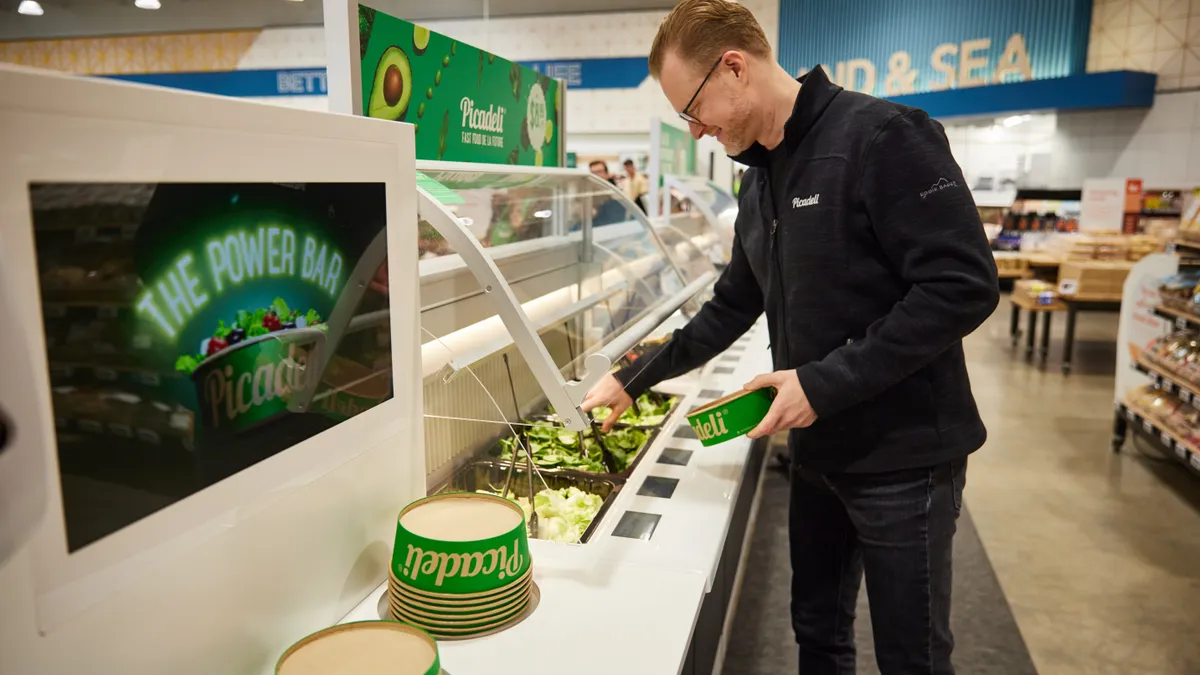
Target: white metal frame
[[564, 396], [197, 586]]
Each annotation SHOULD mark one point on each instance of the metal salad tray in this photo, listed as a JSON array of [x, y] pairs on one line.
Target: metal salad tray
[[489, 476], [496, 452]]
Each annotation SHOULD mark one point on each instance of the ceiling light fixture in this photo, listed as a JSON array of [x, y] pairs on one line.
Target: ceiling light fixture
[[1015, 120], [30, 8], [147, 4]]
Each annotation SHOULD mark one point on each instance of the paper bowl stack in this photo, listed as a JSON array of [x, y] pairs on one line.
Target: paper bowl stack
[[461, 565], [363, 647]]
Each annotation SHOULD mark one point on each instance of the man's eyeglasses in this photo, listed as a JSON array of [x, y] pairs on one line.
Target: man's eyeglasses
[[684, 114]]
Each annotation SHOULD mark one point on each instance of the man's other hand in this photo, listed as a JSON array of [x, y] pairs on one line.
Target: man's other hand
[[611, 394], [789, 410]]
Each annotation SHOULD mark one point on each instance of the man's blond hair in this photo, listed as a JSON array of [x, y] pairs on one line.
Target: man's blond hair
[[699, 31]]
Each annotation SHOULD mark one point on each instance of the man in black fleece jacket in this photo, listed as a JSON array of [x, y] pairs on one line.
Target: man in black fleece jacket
[[858, 237]]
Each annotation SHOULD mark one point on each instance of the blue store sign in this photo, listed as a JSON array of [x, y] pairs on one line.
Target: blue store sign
[[242, 83], [892, 49], [615, 73]]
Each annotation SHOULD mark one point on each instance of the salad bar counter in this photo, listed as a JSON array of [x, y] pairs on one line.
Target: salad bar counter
[[656, 552]]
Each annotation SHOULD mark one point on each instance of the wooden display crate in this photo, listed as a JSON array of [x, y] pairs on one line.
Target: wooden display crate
[[1084, 279]]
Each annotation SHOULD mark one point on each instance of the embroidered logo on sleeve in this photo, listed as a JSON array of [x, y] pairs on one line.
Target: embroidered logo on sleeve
[[810, 201], [940, 185]]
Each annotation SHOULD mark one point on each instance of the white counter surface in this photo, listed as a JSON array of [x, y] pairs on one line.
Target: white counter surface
[[632, 602]]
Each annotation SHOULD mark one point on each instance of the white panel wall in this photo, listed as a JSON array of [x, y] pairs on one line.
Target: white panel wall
[[1160, 145]]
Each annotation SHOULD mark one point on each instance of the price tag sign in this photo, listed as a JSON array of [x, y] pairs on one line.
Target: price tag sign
[[1147, 426], [1194, 460], [1129, 415], [1181, 452], [1185, 395], [1167, 440], [1156, 381], [1181, 323]]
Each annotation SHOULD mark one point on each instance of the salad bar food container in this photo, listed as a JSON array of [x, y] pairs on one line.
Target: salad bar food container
[[489, 476], [363, 646], [730, 416], [451, 545], [497, 455]]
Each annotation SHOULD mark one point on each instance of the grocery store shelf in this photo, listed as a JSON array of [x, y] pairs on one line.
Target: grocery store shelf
[[1182, 320], [1178, 448], [1169, 382], [1184, 247]]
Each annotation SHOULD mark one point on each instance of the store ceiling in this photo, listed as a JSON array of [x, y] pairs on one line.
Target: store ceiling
[[78, 18]]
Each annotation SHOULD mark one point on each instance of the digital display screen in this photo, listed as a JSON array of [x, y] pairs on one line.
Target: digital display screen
[[195, 329]]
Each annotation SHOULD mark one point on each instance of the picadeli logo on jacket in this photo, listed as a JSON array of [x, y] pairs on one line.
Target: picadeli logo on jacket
[[940, 185], [810, 201]]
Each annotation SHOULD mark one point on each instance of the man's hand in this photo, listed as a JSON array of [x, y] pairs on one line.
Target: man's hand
[[789, 410], [611, 394]]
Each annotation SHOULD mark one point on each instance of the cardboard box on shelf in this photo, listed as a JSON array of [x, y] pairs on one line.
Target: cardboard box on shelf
[[1092, 278]]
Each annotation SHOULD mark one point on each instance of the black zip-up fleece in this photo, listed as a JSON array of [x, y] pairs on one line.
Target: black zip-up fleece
[[870, 278]]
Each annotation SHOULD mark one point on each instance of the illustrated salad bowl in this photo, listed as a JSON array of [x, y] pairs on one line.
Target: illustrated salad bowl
[[249, 372]]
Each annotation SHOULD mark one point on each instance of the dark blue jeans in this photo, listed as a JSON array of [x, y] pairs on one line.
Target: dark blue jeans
[[895, 527]]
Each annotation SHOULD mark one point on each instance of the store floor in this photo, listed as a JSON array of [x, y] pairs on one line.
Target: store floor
[[1069, 559]]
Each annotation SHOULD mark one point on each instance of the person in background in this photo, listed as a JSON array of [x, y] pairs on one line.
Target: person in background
[[858, 237], [607, 210], [737, 182], [636, 185]]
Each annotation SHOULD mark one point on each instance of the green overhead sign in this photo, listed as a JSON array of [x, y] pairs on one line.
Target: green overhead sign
[[467, 105]]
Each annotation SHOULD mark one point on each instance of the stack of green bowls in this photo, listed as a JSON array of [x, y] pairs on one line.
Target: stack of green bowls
[[363, 647], [460, 566]]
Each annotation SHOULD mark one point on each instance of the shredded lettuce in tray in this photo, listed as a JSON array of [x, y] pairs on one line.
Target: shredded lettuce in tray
[[563, 515], [652, 415], [554, 446]]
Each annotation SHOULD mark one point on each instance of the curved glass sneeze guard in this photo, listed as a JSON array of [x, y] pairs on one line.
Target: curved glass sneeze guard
[[704, 212], [582, 262]]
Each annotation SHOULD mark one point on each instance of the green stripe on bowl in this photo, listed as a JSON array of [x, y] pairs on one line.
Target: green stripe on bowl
[[731, 416], [460, 567]]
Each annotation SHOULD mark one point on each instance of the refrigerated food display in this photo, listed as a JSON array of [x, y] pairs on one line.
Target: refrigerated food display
[[704, 212], [516, 327]]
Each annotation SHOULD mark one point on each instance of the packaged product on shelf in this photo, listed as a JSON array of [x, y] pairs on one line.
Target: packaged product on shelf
[[1184, 423], [1179, 292], [1153, 403], [1178, 353]]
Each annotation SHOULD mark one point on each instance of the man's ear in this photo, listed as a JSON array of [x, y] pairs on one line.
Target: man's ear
[[736, 62]]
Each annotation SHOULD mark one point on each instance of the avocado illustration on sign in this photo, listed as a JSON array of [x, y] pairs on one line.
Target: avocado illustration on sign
[[366, 21], [420, 39], [392, 88]]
